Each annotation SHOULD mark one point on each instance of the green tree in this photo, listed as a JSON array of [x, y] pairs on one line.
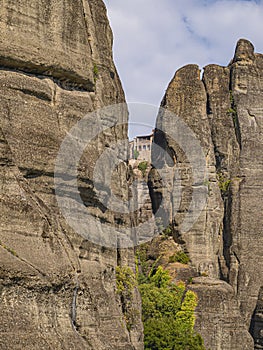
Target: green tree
[[136, 154], [125, 280], [142, 166], [180, 257], [168, 314], [95, 72]]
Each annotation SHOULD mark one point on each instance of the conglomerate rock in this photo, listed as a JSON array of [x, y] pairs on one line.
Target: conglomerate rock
[[224, 109], [57, 290]]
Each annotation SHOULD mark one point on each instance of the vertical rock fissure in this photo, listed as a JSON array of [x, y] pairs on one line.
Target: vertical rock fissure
[[223, 260], [74, 306], [227, 235], [256, 325], [233, 111], [87, 15]]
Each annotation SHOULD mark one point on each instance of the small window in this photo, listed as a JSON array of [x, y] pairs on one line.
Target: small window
[[144, 147], [140, 148], [149, 147]]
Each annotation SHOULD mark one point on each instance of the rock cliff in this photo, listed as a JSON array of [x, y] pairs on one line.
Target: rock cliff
[[224, 110], [57, 290]]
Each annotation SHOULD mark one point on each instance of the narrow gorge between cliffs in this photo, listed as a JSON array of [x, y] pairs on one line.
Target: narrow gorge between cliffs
[[62, 289]]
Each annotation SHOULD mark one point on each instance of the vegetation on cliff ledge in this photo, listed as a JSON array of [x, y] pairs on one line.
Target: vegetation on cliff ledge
[[168, 314], [168, 307], [143, 167]]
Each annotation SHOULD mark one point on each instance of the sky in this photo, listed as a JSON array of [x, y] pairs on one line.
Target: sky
[[154, 38]]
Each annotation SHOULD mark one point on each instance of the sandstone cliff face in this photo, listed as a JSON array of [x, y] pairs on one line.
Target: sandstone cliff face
[[224, 109], [57, 290]]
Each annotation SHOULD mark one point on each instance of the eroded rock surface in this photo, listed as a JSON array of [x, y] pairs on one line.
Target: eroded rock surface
[[224, 110], [57, 290]]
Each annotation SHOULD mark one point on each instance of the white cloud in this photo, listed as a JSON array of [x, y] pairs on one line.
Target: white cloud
[[153, 38]]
